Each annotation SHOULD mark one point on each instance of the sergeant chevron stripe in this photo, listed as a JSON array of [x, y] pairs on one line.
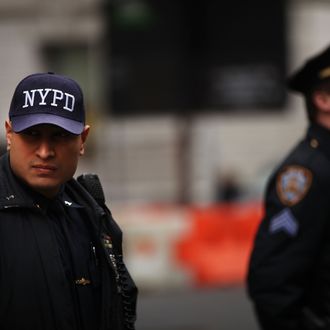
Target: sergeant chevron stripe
[[284, 221]]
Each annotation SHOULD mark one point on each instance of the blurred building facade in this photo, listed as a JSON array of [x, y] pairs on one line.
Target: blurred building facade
[[154, 158]]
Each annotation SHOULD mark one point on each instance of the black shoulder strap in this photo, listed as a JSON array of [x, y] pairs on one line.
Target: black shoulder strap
[[92, 184], [89, 188], [128, 289]]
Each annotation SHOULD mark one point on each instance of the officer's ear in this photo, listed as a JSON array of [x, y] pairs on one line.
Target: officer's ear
[[84, 136], [9, 133]]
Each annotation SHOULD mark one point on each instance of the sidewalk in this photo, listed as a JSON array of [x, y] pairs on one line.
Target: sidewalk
[[199, 309]]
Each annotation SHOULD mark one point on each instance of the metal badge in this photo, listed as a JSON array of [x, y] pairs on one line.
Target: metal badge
[[82, 281]]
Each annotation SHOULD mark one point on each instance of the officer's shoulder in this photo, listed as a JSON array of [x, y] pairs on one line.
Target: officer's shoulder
[[307, 156], [305, 168], [86, 189]]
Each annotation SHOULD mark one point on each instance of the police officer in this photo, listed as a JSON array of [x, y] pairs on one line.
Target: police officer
[[289, 272], [61, 264]]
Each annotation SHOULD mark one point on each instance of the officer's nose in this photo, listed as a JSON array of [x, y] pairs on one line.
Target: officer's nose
[[45, 149]]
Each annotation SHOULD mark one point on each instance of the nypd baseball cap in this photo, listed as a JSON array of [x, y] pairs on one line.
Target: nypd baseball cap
[[47, 98]]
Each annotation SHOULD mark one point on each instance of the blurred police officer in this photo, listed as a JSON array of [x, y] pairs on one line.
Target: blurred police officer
[[289, 273], [61, 264]]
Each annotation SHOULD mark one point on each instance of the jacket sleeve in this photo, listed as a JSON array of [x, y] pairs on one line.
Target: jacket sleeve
[[288, 247]]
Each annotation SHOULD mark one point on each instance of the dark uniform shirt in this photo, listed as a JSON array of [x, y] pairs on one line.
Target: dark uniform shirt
[[79, 258], [45, 261], [289, 273]]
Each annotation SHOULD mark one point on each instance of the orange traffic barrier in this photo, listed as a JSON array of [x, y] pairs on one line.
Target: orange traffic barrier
[[217, 247]]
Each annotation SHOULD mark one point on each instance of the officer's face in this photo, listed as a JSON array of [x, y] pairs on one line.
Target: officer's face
[[45, 156]]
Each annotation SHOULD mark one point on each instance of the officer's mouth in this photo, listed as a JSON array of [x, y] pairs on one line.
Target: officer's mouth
[[44, 169]]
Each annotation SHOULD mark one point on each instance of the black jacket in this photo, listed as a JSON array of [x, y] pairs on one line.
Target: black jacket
[[33, 290], [289, 273]]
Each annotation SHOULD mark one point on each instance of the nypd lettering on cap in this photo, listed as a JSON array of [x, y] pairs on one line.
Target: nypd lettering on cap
[[48, 97]]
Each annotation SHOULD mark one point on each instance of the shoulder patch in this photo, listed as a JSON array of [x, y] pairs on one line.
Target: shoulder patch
[[293, 183]]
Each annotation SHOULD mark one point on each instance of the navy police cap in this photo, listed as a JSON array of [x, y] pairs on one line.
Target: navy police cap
[[315, 71], [47, 98]]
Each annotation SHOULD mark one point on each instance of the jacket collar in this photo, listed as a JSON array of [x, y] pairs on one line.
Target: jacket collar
[[12, 193]]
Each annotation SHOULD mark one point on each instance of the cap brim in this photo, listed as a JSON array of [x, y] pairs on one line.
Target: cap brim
[[20, 123]]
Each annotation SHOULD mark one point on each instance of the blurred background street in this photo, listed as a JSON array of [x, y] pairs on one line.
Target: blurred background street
[[189, 114], [198, 309]]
